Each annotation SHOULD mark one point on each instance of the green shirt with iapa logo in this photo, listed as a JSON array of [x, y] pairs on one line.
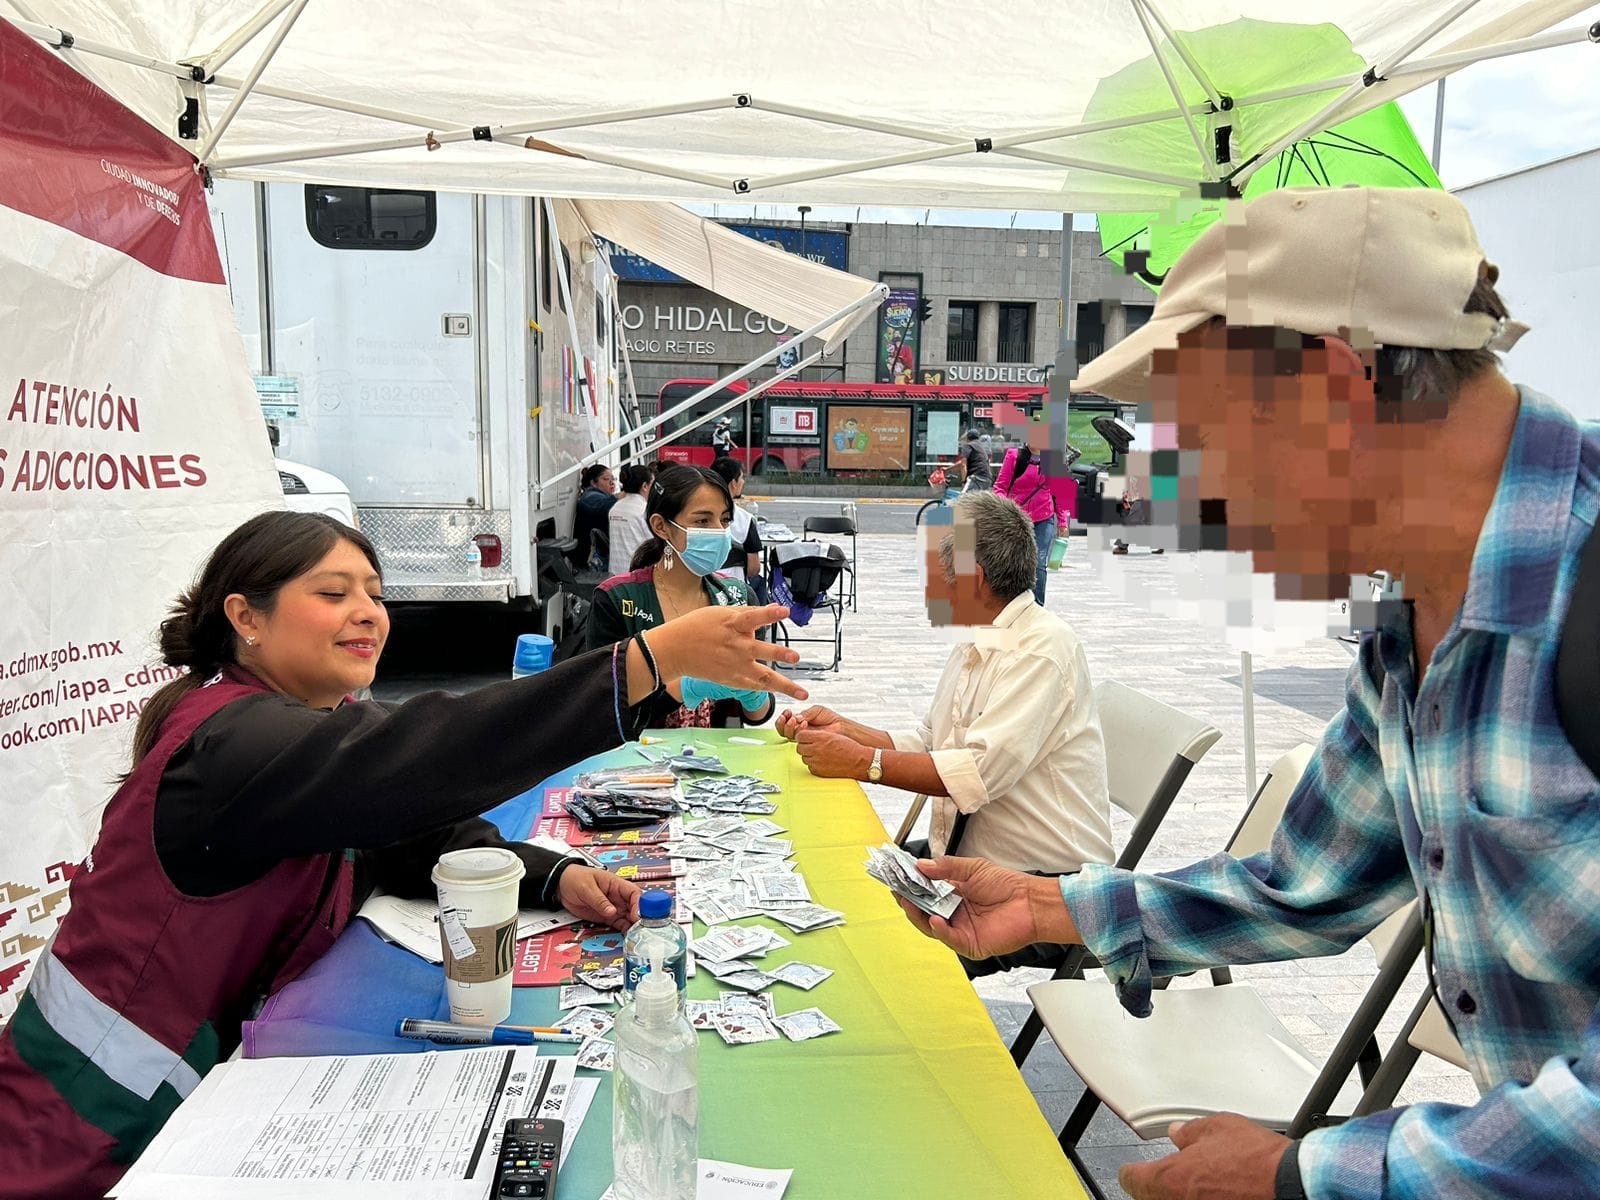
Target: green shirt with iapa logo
[[628, 604]]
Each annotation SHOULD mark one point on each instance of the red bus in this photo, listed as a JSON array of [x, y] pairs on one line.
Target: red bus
[[841, 428]]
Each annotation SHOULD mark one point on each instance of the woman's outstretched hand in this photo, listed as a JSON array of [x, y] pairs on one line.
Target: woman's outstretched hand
[[717, 643]]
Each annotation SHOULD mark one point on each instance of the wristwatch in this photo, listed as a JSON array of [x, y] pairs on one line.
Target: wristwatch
[[875, 771]]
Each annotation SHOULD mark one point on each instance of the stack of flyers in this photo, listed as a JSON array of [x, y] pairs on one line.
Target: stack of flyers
[[896, 869], [642, 864], [554, 821]]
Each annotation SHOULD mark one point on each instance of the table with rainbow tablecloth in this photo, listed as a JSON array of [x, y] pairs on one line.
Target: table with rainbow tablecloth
[[917, 1097]]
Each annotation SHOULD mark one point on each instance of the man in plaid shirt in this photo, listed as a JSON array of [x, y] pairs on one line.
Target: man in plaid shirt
[[1368, 317]]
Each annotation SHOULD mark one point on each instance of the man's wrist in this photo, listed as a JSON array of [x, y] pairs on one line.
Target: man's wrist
[[1286, 1183], [1052, 923]]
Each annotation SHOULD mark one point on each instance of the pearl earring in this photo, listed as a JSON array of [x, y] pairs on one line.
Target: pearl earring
[[249, 641]]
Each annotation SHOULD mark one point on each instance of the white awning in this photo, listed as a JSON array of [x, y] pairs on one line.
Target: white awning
[[940, 103], [769, 280]]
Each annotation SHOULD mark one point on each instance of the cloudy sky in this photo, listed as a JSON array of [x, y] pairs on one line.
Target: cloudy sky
[[1500, 116]]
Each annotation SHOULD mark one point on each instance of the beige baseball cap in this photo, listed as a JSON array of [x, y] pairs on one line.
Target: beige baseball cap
[[1391, 265]]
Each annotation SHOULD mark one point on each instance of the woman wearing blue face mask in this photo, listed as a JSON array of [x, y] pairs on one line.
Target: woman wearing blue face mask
[[688, 511]]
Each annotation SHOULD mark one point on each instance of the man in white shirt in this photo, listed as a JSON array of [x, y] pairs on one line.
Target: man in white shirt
[[1012, 738]]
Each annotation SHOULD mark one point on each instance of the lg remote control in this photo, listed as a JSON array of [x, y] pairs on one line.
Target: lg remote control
[[528, 1158]]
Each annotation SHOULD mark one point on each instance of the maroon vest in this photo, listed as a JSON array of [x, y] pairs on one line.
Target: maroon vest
[[143, 988]]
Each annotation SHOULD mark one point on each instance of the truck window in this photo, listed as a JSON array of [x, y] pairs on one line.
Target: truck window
[[359, 218], [543, 219]]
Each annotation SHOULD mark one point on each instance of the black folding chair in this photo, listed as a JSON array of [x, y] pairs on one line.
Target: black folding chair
[[837, 526], [811, 572]]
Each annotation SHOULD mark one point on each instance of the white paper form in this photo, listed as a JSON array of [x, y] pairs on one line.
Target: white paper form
[[414, 924], [394, 1125]]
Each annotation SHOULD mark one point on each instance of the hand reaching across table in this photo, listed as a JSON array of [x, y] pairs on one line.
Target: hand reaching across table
[[1002, 910]]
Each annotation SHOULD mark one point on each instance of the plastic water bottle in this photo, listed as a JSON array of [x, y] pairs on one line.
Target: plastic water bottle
[[654, 928], [655, 1107], [474, 560]]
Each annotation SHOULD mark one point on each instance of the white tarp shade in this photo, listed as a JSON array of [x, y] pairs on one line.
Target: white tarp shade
[[768, 280], [848, 102]]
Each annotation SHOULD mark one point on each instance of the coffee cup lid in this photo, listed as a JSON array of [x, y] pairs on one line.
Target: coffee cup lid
[[485, 866]]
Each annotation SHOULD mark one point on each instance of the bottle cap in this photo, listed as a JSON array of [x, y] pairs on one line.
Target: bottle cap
[[655, 905]]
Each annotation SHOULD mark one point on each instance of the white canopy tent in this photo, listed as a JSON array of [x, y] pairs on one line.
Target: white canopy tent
[[831, 101]]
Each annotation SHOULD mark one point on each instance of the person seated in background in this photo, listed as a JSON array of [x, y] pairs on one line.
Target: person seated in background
[[688, 514], [625, 519], [744, 560], [1012, 737], [598, 494]]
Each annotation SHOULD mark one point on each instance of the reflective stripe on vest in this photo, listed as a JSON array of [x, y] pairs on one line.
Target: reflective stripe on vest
[[127, 1054]]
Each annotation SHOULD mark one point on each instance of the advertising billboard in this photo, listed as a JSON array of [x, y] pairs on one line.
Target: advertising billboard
[[863, 438]]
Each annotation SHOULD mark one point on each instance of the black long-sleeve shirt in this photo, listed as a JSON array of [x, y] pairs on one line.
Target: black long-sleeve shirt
[[267, 778]]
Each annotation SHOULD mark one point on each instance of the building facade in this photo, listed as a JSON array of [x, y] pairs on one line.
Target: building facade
[[991, 299]]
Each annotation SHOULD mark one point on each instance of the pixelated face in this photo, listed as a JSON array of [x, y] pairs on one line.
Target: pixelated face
[[957, 599], [1264, 429]]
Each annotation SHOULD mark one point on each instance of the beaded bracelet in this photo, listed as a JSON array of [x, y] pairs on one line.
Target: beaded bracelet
[[650, 660], [616, 688]]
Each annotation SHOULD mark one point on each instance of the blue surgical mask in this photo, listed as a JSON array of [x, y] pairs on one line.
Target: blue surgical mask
[[704, 550]]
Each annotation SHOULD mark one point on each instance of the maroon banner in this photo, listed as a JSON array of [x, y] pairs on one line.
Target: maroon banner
[[72, 155]]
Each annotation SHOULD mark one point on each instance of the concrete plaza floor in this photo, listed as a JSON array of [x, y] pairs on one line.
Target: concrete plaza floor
[[891, 663]]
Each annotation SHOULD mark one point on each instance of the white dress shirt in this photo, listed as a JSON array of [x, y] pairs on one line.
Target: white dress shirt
[[628, 530], [1015, 736]]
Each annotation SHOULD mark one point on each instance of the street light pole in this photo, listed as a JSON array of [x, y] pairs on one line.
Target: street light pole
[[804, 209]]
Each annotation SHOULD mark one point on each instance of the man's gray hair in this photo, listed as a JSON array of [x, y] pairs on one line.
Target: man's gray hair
[[1428, 380], [1002, 543]]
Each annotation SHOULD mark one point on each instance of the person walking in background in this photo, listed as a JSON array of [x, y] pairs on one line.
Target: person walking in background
[[977, 468], [722, 438], [599, 493], [626, 518], [744, 560], [1022, 479]]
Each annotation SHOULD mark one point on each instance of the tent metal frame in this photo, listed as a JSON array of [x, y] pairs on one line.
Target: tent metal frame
[[935, 144]]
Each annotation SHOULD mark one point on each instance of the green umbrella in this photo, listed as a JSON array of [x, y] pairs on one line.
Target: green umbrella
[[1241, 58]]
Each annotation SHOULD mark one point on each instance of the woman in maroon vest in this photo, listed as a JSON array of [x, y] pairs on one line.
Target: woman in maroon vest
[[263, 805]]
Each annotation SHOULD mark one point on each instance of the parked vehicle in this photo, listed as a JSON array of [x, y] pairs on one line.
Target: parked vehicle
[[441, 354], [306, 489]]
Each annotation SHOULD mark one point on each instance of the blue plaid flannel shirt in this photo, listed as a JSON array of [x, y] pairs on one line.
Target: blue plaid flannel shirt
[[1467, 788]]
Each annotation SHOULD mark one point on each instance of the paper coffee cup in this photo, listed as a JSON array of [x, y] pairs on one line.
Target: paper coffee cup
[[478, 929]]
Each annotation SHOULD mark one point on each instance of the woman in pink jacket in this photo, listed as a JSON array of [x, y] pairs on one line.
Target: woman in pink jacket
[[1048, 502]]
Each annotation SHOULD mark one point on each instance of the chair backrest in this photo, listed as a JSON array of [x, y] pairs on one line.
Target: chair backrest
[[1432, 1035], [1254, 833], [1150, 749], [827, 525]]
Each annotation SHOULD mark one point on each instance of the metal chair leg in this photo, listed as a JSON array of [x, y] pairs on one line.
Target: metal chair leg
[[1078, 1123]]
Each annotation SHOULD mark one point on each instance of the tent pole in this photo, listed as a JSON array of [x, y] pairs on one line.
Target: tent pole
[[457, 133], [712, 415], [1201, 151], [871, 300], [1247, 677], [1327, 116], [240, 38], [23, 9], [55, 38], [1212, 94], [1083, 164], [1438, 126], [228, 114], [1464, 58], [628, 164], [744, 397]]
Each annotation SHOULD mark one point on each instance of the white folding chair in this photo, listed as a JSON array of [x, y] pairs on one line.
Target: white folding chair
[[1218, 1049], [1150, 749]]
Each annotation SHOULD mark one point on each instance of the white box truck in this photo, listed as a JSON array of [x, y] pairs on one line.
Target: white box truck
[[453, 358]]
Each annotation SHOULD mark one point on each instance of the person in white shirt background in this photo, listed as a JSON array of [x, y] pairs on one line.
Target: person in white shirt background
[[1012, 736], [744, 560], [628, 530]]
